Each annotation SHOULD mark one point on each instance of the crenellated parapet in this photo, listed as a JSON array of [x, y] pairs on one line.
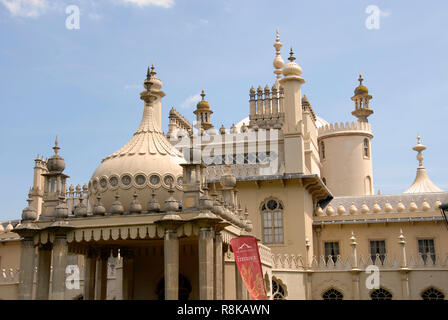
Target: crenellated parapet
[[347, 128]]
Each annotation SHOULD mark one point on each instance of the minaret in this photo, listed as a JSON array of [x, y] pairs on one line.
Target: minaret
[[361, 98], [203, 113], [278, 61], [55, 184], [37, 191], [293, 125], [422, 182]]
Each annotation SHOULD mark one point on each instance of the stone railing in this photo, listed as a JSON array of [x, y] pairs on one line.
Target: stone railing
[[265, 254], [335, 128], [338, 263]]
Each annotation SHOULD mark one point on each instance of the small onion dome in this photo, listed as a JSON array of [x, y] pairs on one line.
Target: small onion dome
[[9, 227], [353, 209], [319, 211], [78, 188], [233, 129], [364, 208], [244, 128], [61, 210], [1, 228], [228, 180], [71, 189], [171, 203], [56, 163], [329, 210], [249, 226], [437, 204], [359, 90], [292, 68], [376, 208], [413, 206], [388, 207], [81, 209], [425, 206], [341, 209], [203, 104], [98, 209], [29, 213], [401, 207], [153, 205], [135, 206], [117, 207], [84, 188]]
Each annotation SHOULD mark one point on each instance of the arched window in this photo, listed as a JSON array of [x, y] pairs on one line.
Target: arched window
[[272, 212], [332, 294], [380, 294], [278, 290], [366, 148], [432, 294], [368, 185], [322, 149]]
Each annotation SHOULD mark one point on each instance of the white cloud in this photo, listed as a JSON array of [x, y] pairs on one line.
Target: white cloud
[[143, 3], [203, 21], [26, 8], [190, 101]]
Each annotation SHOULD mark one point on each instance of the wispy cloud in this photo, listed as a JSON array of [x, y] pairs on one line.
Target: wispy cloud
[[94, 16], [26, 8], [190, 101], [143, 3]]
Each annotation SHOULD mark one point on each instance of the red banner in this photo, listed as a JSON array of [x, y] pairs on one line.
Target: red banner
[[247, 259]]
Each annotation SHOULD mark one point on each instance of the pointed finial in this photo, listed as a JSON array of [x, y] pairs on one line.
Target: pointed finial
[[148, 74], [291, 55], [56, 147], [203, 94], [360, 79], [419, 148], [277, 39], [152, 73]]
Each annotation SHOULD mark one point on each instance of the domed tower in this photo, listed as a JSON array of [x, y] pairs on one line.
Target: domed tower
[[345, 150], [54, 184], [203, 113], [148, 161]]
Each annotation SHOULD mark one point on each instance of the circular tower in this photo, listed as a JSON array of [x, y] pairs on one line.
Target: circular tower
[[345, 150]]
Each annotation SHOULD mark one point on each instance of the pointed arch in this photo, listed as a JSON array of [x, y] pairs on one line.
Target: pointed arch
[[380, 294]]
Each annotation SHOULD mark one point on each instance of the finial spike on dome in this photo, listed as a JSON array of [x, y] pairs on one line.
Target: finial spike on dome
[[360, 79], [148, 74], [277, 38], [291, 55], [203, 94], [153, 73], [56, 147]]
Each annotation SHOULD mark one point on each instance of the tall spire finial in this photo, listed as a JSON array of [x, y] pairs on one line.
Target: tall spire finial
[[203, 94], [278, 61], [419, 148], [56, 147], [291, 55]]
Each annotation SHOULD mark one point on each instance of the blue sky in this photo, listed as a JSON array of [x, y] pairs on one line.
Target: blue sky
[[83, 85]]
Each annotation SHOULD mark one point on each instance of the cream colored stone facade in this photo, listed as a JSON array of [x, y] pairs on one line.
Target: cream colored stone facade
[[153, 223]]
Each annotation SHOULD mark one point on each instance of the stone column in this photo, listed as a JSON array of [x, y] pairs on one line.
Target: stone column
[[219, 271], [27, 263], [60, 252], [128, 274], [171, 260], [356, 285], [404, 267], [89, 276], [206, 263], [43, 272], [101, 276]]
